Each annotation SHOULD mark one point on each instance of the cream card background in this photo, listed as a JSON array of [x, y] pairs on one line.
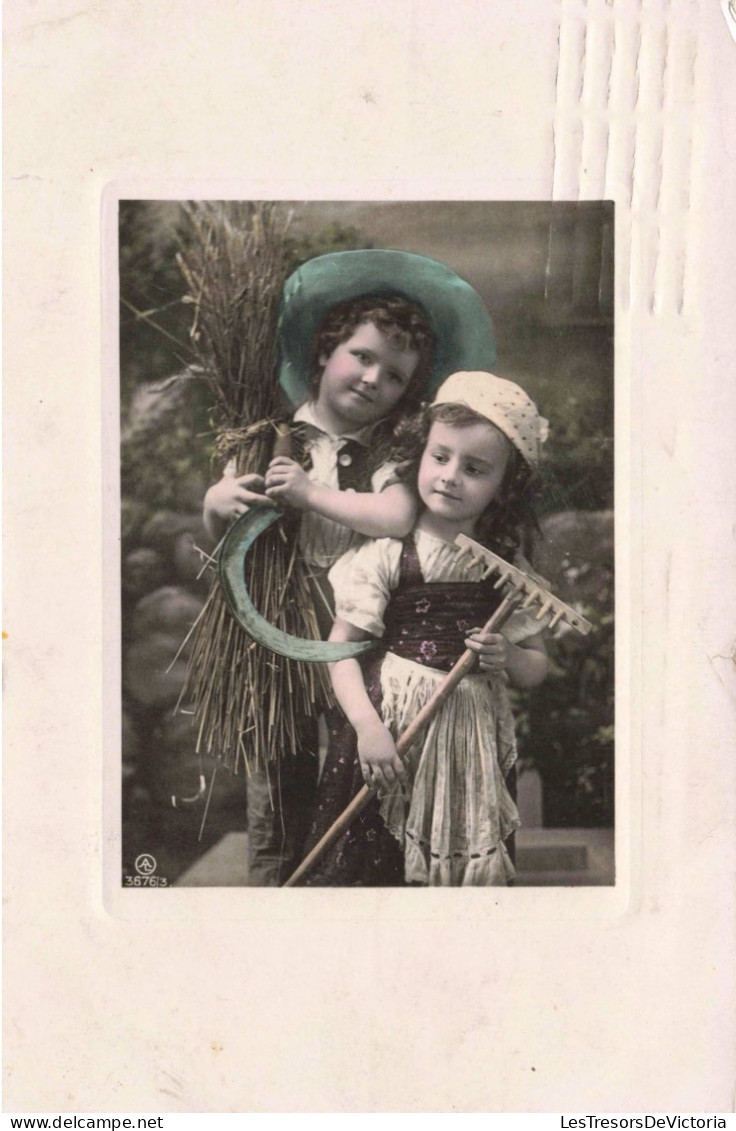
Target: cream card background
[[450, 1001]]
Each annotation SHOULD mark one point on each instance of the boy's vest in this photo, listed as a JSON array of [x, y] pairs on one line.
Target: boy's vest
[[356, 462]]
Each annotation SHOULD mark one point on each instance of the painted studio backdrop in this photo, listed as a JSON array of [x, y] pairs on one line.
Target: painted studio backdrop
[[545, 274]]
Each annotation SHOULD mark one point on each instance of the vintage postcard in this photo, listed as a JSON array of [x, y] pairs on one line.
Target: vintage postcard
[[572, 165]]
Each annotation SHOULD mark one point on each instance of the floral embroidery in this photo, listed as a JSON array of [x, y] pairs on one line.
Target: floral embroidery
[[428, 649], [464, 625], [423, 605]]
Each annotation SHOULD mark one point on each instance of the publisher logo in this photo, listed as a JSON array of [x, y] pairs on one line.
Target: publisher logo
[[145, 864]]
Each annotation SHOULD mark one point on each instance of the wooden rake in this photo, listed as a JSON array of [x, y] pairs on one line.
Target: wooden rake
[[520, 591]]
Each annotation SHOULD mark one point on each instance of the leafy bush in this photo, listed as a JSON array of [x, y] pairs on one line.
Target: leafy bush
[[154, 323], [566, 730]]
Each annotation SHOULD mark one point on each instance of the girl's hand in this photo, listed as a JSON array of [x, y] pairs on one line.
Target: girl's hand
[[233, 494], [492, 648], [289, 483], [379, 760]]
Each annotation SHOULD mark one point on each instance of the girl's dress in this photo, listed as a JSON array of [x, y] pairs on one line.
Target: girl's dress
[[422, 598]]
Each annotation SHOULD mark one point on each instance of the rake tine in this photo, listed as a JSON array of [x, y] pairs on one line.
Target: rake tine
[[464, 553], [544, 610], [532, 598]]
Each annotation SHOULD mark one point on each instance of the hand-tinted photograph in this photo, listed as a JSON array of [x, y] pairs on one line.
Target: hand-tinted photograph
[[367, 549]]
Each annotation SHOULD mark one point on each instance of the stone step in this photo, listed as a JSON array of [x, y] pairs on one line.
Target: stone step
[[564, 857], [544, 858]]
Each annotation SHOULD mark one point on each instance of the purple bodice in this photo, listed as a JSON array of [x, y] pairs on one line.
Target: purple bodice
[[428, 621]]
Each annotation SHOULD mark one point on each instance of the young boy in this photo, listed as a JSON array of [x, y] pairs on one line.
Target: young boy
[[373, 357]]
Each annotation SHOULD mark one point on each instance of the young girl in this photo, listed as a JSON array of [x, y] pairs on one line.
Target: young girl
[[443, 817]]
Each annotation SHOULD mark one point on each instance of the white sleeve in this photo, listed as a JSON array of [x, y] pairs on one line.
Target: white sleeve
[[362, 581], [523, 623]]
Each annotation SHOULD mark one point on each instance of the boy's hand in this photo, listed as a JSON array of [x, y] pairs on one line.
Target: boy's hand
[[233, 494], [379, 761], [492, 648], [289, 483]]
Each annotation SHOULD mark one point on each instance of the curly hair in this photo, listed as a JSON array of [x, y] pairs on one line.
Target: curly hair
[[508, 523], [404, 324]]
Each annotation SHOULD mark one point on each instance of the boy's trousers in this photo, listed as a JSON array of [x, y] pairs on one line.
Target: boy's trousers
[[280, 801]]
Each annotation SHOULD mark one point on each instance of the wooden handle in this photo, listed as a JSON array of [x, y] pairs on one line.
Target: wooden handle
[[282, 444], [335, 830], [409, 737]]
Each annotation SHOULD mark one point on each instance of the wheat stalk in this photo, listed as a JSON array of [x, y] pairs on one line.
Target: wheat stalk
[[248, 704]]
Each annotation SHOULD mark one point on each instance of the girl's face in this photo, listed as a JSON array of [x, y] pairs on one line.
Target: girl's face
[[363, 379], [461, 472]]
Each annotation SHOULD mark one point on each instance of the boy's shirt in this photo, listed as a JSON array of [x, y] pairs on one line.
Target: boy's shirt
[[322, 541]]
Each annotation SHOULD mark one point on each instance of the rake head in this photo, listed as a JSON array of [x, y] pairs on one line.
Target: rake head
[[515, 579]]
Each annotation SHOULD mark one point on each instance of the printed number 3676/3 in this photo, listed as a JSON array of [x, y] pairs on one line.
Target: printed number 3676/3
[[145, 882]]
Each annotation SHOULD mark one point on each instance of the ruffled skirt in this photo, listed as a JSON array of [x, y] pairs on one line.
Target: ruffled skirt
[[461, 811]]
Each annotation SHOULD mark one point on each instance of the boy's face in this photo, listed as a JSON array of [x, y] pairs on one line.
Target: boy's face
[[363, 379]]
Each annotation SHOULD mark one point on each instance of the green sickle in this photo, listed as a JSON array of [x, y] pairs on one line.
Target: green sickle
[[238, 540]]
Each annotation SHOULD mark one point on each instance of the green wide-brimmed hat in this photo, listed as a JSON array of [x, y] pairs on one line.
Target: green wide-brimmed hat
[[460, 322]]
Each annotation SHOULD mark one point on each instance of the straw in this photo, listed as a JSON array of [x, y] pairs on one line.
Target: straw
[[249, 705]]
